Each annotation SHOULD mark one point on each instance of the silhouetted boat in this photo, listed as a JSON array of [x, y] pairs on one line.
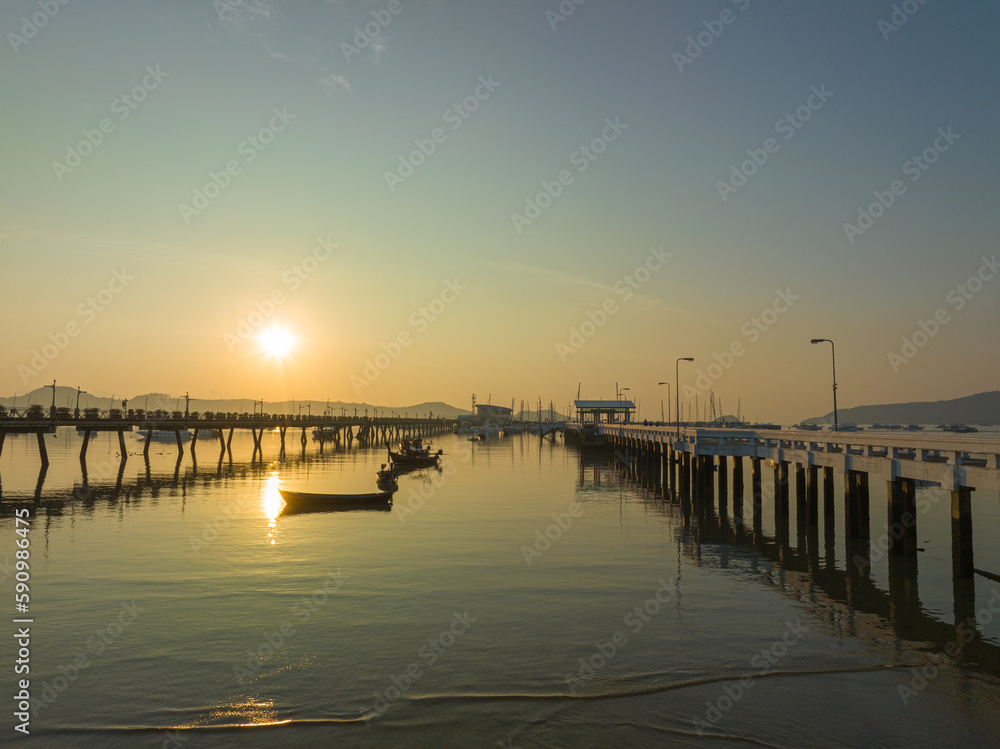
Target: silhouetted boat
[[307, 499], [413, 460], [386, 478]]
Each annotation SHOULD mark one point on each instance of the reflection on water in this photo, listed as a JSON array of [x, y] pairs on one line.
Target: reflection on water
[[239, 625], [273, 503]]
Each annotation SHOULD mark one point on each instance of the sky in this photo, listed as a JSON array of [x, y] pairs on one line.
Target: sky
[[399, 201]]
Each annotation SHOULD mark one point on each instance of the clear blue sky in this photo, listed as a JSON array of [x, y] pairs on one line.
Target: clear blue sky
[[212, 76]]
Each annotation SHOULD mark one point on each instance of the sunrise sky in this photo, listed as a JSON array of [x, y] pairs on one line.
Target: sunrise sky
[[397, 202]]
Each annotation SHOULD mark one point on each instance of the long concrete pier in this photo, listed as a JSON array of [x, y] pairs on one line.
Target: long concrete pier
[[697, 462]]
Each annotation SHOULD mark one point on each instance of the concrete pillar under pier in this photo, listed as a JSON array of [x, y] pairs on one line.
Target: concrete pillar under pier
[[738, 488], [121, 445], [180, 445], [781, 488], [3, 436], [86, 441], [149, 437], [43, 453], [857, 520], [962, 565], [812, 496], [708, 479], [800, 489], [758, 495], [902, 529], [723, 484]]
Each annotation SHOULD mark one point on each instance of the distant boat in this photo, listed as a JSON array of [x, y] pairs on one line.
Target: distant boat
[[848, 428], [300, 500], [962, 429], [913, 428], [808, 427]]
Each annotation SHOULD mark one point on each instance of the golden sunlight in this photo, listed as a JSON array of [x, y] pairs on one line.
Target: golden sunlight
[[276, 342]]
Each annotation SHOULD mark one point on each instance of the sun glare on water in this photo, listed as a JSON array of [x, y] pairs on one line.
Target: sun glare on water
[[276, 342]]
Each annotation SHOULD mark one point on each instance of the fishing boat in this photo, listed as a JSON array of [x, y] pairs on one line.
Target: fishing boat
[[913, 428], [297, 500], [386, 478], [404, 459]]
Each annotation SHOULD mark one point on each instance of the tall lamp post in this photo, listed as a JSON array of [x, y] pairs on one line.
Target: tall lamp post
[[620, 396], [833, 354], [76, 413], [668, 401], [677, 394]]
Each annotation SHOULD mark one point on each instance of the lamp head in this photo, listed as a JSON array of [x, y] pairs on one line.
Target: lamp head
[[819, 340], [688, 358]]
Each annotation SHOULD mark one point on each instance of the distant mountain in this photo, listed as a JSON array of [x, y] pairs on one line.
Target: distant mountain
[[66, 396], [978, 409]]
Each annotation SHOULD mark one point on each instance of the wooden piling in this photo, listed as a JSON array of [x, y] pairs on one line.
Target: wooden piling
[[962, 565]]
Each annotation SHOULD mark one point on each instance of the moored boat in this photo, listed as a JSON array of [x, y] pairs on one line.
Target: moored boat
[[298, 499]]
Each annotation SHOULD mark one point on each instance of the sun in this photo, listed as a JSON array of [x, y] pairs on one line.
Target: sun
[[276, 342]]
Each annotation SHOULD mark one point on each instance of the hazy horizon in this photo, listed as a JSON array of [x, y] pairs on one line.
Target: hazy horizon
[[397, 202]]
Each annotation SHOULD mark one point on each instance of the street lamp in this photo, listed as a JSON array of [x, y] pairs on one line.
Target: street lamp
[[668, 400], [833, 354], [677, 393], [76, 413], [620, 391]]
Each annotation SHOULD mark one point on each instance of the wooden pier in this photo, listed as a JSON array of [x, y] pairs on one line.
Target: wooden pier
[[337, 430]]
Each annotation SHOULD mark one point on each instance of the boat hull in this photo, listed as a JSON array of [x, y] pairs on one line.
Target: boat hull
[[306, 499]]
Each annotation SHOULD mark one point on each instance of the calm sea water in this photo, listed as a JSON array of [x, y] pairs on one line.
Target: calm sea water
[[524, 596]]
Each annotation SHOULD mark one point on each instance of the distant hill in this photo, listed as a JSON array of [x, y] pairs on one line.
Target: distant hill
[[66, 396], [978, 409]]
